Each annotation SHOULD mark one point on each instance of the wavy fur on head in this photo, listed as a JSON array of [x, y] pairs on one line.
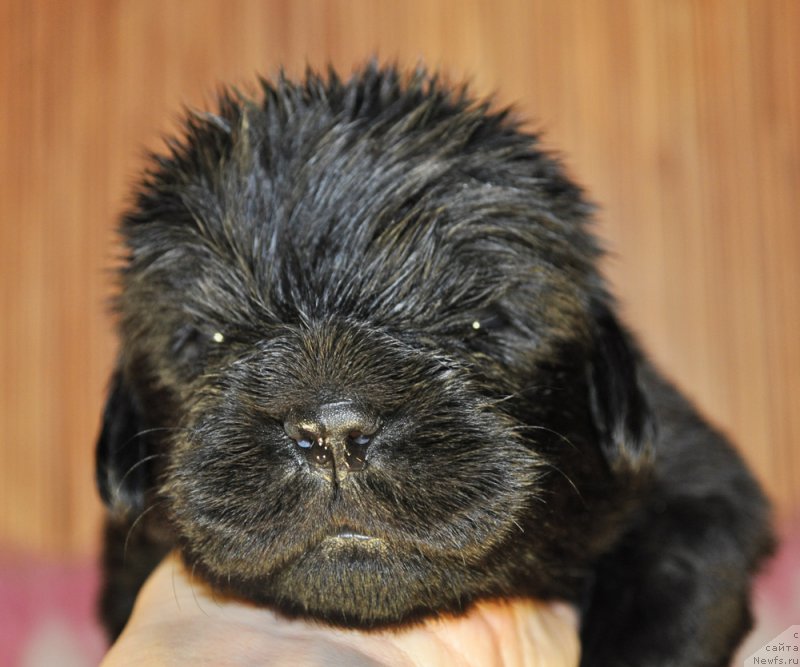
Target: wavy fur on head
[[391, 246]]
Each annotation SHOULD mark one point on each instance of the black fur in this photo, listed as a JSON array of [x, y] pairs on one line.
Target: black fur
[[389, 242]]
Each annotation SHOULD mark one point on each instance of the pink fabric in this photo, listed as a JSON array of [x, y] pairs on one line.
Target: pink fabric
[[777, 595], [47, 615]]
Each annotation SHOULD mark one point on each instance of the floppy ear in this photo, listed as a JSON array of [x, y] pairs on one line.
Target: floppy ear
[[121, 451], [619, 406]]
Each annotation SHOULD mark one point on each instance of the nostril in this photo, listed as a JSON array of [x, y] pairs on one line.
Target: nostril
[[358, 438], [313, 446], [310, 441], [304, 439], [356, 445], [319, 454]]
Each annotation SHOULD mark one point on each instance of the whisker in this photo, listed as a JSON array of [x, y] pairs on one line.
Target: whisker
[[534, 427], [136, 523], [148, 431], [134, 466], [529, 388], [193, 579], [174, 589], [569, 480]]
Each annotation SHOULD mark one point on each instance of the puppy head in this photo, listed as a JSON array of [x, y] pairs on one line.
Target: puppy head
[[368, 369]]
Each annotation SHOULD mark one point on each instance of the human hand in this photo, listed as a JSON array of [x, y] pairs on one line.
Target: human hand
[[179, 620]]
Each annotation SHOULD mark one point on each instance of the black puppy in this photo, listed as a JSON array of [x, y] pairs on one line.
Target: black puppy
[[369, 371]]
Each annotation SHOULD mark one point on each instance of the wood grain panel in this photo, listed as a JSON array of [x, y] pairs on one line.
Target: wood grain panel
[[682, 118]]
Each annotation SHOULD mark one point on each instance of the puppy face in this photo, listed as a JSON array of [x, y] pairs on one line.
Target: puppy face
[[368, 369]]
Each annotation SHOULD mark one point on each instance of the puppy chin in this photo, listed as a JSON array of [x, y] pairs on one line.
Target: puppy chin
[[353, 581]]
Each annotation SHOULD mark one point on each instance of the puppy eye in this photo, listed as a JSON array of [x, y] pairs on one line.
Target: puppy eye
[[490, 322], [191, 344]]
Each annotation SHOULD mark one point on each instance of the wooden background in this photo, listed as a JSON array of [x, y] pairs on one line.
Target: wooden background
[[682, 118]]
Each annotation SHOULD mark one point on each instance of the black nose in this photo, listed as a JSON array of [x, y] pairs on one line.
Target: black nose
[[333, 435]]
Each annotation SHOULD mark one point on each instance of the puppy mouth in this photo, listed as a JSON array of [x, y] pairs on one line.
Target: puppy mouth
[[350, 535]]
